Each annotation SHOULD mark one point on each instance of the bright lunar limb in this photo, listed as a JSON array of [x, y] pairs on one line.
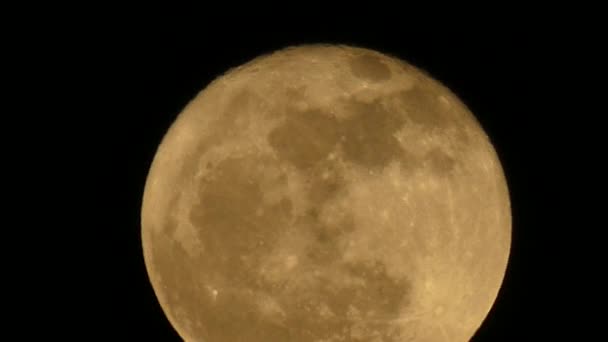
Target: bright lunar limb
[[325, 194]]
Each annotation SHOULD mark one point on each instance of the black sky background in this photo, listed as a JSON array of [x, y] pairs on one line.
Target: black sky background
[[129, 84]]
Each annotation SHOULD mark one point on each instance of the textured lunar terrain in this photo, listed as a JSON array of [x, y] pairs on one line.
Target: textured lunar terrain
[[326, 194]]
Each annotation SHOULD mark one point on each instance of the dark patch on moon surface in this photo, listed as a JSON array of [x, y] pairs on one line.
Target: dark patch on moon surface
[[439, 161], [383, 294], [324, 182], [369, 135], [239, 102], [304, 138], [369, 67], [323, 249], [227, 215], [423, 108], [295, 94]]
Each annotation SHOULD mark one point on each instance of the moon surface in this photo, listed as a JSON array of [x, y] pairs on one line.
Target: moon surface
[[326, 193]]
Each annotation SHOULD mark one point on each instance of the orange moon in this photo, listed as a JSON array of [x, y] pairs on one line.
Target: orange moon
[[326, 193]]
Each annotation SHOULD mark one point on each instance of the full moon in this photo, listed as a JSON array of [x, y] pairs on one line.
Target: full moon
[[326, 193]]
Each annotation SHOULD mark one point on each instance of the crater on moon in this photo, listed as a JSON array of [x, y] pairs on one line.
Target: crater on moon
[[326, 194]]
